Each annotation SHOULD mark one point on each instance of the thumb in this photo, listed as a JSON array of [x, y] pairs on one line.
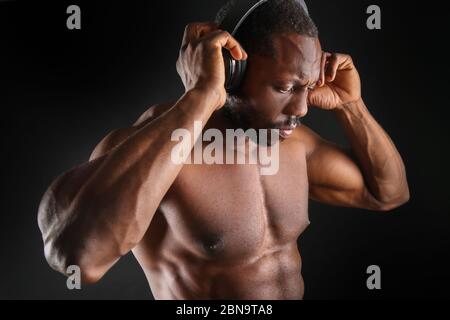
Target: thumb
[[321, 97]]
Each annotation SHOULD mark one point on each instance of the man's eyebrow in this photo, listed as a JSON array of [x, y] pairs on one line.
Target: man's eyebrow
[[298, 79], [307, 83]]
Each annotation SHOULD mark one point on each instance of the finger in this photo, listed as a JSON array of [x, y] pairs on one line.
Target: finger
[[332, 67], [228, 42], [325, 56], [194, 31], [314, 95], [320, 96], [206, 28], [225, 40]]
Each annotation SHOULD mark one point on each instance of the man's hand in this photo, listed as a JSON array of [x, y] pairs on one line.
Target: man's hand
[[200, 63], [339, 82]]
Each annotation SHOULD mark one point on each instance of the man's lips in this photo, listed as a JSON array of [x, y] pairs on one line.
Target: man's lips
[[286, 132]]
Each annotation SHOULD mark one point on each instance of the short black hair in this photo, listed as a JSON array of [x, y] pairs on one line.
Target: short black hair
[[272, 17]]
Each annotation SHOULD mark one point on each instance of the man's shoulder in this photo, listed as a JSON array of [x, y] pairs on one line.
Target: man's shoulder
[[308, 138]]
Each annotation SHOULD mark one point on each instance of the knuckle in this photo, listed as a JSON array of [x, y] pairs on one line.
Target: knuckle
[[226, 34], [191, 26], [209, 42]]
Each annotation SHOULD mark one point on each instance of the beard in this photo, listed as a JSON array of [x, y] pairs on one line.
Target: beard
[[240, 111], [235, 109], [244, 115]]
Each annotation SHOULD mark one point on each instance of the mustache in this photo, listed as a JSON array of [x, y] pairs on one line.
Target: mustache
[[290, 122], [233, 103]]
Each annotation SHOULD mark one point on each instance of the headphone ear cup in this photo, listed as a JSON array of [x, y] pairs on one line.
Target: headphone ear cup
[[229, 63], [241, 67], [234, 71]]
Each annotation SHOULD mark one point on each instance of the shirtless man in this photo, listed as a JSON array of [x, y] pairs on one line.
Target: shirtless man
[[225, 231]]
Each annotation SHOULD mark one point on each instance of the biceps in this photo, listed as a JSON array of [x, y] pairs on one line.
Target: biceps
[[335, 179], [110, 141]]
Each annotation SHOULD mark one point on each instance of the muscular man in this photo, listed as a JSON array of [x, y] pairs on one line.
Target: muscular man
[[226, 231]]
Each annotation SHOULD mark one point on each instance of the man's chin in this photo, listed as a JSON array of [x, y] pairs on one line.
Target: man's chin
[[268, 138]]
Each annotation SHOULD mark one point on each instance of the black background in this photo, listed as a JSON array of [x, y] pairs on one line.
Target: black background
[[61, 91]]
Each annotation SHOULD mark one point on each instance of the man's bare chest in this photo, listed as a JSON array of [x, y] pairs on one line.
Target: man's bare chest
[[227, 211]]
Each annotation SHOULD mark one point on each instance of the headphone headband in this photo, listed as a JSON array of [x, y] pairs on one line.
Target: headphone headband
[[238, 14]]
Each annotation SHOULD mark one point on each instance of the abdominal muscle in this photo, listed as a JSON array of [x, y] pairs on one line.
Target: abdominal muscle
[[272, 275]]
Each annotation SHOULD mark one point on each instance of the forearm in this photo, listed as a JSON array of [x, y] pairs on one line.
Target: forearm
[[114, 208], [376, 154]]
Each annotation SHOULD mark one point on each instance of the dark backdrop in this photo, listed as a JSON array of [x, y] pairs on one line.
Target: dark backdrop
[[61, 91]]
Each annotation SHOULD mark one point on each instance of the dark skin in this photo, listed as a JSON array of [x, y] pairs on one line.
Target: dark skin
[[223, 231]]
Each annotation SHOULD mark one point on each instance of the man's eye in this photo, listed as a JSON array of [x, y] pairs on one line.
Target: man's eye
[[286, 90]]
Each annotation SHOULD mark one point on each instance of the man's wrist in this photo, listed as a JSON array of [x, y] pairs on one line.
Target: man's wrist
[[214, 97], [353, 110], [198, 103], [351, 106]]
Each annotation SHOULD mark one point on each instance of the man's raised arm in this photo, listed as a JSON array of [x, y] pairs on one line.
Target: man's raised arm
[[97, 212], [372, 175]]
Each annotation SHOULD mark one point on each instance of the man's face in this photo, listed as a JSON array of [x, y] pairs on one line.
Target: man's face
[[276, 88]]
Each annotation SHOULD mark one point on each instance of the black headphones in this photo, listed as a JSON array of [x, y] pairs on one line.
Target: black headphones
[[235, 69]]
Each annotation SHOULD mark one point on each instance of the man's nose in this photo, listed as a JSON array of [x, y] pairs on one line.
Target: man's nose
[[298, 107]]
